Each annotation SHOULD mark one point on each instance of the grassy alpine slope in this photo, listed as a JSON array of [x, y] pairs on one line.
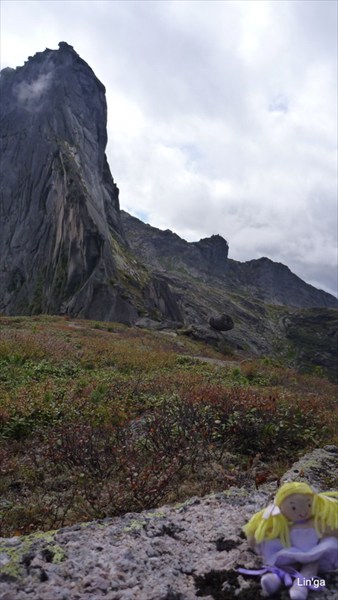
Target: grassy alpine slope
[[99, 419]]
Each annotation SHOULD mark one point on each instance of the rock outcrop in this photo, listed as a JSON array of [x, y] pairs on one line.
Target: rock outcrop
[[173, 553], [313, 336], [60, 205], [165, 251], [62, 245]]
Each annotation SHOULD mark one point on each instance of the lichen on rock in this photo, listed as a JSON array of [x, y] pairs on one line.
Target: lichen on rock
[[180, 552]]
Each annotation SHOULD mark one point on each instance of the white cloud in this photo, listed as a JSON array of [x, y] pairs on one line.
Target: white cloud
[[222, 115], [29, 93]]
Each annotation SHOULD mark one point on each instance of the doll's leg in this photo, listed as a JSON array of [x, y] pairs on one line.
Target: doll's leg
[[299, 591], [270, 583]]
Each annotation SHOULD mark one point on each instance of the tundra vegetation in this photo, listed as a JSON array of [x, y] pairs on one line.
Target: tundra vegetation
[[99, 419]]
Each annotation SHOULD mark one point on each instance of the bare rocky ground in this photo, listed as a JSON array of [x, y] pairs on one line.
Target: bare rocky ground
[[181, 552]]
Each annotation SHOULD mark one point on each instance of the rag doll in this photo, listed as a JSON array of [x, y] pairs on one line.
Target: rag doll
[[297, 538]]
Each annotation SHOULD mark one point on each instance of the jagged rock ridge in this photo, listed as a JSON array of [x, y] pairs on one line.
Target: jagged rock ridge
[[207, 260]]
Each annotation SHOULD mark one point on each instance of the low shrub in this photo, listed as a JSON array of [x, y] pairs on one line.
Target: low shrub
[[95, 423]]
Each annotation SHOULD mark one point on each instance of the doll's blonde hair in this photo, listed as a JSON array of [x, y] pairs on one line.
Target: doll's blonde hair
[[324, 511]]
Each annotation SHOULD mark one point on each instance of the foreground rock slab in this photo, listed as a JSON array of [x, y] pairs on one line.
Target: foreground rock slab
[[178, 552]]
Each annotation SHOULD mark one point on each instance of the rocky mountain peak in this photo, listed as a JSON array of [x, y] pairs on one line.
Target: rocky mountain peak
[[59, 202], [214, 250], [66, 47], [62, 245]]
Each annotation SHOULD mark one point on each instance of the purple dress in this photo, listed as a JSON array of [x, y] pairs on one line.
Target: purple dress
[[305, 547]]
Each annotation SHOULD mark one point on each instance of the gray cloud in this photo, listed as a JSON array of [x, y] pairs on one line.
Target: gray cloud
[[221, 115]]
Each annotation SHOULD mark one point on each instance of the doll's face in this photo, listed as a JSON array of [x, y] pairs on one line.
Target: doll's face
[[297, 507]]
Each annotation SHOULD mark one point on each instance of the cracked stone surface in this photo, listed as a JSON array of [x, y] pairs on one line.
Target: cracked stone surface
[[173, 553]]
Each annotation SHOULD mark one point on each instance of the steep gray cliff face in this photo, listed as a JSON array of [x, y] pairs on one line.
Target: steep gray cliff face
[[56, 186], [62, 246]]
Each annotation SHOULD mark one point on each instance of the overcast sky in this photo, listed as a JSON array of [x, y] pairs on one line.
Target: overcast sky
[[222, 115]]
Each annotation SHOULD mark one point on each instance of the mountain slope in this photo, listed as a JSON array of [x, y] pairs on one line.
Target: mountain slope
[[274, 311], [207, 260], [66, 248]]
